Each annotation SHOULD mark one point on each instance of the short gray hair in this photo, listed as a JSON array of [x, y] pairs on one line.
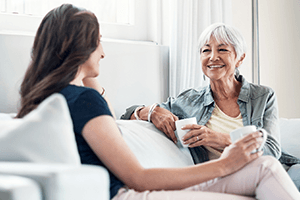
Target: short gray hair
[[224, 33]]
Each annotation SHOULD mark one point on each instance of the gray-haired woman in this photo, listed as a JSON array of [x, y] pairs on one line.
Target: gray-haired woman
[[229, 102]]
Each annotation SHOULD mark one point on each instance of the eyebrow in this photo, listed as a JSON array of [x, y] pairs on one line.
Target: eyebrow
[[207, 45]]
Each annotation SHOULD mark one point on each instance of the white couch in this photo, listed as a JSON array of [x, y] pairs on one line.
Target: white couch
[[38, 155]]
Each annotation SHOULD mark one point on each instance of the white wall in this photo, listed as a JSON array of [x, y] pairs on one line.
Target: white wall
[[132, 72], [279, 41], [279, 24], [242, 19]]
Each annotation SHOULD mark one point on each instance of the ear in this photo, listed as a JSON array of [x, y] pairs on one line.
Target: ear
[[241, 60]]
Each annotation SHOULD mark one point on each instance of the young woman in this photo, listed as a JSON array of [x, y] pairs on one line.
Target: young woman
[[65, 55]]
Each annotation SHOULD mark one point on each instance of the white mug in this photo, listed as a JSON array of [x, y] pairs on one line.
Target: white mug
[[243, 131], [179, 132]]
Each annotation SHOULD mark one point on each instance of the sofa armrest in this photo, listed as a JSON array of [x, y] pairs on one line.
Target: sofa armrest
[[19, 188], [62, 181]]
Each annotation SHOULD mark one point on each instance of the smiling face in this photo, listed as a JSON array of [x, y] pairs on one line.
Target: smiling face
[[219, 60]]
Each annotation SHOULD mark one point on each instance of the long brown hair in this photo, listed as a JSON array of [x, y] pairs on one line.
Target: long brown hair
[[64, 40]]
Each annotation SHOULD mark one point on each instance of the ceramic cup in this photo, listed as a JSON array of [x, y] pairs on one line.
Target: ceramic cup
[[179, 132], [241, 132]]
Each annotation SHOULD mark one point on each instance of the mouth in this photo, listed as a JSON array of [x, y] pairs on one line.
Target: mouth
[[216, 66]]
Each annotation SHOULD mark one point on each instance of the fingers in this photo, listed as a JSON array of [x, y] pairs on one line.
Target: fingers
[[164, 120], [250, 136], [254, 144], [250, 142], [191, 133], [194, 141], [169, 131], [194, 137]]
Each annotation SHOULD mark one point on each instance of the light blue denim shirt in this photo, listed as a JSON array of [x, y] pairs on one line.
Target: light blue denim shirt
[[258, 106]]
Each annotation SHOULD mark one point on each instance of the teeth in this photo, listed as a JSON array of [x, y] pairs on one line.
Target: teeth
[[215, 66]]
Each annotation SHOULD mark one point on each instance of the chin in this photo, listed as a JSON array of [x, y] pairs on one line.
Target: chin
[[96, 75]]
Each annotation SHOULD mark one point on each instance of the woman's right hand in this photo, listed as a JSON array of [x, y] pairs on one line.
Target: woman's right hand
[[162, 118], [238, 154]]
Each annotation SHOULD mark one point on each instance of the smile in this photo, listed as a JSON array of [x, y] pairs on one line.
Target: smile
[[216, 66]]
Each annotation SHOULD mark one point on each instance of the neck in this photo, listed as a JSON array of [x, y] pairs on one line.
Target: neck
[[224, 90], [77, 81]]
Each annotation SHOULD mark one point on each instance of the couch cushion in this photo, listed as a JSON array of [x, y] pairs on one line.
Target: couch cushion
[[290, 136], [44, 135], [151, 147], [63, 181], [19, 188]]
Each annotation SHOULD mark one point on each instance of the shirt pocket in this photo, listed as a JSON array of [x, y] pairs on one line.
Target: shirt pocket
[[258, 122]]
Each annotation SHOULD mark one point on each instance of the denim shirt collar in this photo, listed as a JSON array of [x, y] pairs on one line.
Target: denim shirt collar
[[243, 96], [245, 89], [208, 98]]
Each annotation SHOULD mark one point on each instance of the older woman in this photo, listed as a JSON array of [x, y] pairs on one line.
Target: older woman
[[229, 102]]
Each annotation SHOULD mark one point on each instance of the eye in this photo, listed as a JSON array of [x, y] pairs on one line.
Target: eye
[[205, 50], [223, 50]]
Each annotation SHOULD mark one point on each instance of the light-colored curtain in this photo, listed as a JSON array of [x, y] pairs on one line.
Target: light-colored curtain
[[188, 19]]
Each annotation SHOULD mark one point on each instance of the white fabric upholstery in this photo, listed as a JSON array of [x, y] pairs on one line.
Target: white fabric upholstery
[[290, 136], [44, 135], [19, 188], [62, 181], [151, 147]]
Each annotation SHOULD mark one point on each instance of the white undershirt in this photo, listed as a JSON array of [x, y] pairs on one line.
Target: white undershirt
[[220, 122]]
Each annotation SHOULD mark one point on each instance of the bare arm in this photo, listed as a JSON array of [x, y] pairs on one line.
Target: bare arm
[[103, 136], [94, 83]]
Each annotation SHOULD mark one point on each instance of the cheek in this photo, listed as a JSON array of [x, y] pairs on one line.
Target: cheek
[[203, 59]]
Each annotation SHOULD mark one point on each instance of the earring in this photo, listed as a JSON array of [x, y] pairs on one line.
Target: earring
[[237, 72], [204, 77]]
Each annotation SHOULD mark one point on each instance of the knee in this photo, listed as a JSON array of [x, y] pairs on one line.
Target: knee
[[268, 162]]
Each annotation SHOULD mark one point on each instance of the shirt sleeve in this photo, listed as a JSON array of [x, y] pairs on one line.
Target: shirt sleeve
[[88, 105], [271, 125]]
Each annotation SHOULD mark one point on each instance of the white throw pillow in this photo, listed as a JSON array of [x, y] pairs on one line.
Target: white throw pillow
[[151, 147], [45, 135], [290, 135]]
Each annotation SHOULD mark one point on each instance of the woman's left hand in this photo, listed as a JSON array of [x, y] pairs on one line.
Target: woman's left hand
[[201, 135]]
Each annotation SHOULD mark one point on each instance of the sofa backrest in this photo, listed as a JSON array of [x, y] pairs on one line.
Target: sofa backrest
[[132, 72]]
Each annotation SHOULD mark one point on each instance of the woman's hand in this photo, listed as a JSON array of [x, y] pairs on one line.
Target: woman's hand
[[94, 83], [238, 154], [201, 135], [163, 119]]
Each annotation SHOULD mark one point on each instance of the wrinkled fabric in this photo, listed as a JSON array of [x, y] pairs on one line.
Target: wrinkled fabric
[[258, 106]]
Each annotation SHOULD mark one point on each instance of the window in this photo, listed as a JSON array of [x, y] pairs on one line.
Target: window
[[110, 11], [18, 19]]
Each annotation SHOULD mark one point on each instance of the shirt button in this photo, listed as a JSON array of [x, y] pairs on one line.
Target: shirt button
[[259, 123]]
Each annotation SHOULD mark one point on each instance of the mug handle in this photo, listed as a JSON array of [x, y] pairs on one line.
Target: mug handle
[[265, 134]]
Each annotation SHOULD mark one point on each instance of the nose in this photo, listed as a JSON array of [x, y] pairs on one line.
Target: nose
[[214, 56], [102, 55]]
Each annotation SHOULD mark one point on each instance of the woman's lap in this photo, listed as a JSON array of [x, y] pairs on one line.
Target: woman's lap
[[254, 179], [175, 195]]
